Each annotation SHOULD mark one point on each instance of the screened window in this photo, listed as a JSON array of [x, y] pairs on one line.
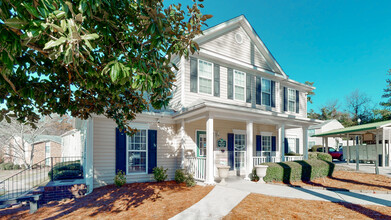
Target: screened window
[[266, 92], [239, 85], [266, 145], [205, 76], [291, 100], [137, 152]]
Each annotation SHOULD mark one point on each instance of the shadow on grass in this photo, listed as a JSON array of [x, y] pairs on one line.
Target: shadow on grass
[[109, 199]]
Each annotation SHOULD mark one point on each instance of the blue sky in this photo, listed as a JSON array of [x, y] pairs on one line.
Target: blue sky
[[340, 45]]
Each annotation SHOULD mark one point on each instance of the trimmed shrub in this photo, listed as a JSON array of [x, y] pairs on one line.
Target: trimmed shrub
[[16, 167], [293, 154], [180, 176], [254, 176], [315, 148], [190, 182], [159, 174], [312, 156], [304, 170], [324, 156], [120, 178], [66, 170]]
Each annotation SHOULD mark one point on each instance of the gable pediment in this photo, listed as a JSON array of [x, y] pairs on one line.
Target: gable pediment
[[236, 39]]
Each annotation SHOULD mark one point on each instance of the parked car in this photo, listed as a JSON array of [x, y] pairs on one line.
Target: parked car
[[334, 153]]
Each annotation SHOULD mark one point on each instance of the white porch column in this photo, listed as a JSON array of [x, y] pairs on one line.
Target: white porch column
[[281, 134], [89, 156], [357, 155], [250, 151], [383, 160], [209, 178], [305, 142], [323, 143], [327, 145], [182, 131], [348, 150], [377, 153]]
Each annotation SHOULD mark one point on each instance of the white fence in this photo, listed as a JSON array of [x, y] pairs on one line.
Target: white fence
[[196, 166], [293, 158]]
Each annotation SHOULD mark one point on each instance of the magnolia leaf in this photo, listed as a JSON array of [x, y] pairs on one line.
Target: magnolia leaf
[[54, 43], [89, 36], [31, 10], [15, 23]]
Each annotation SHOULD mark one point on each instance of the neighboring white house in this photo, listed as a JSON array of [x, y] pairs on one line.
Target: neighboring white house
[[321, 128], [232, 104], [71, 144]]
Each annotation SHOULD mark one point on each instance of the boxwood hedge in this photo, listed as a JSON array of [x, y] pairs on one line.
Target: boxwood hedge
[[303, 170], [320, 156], [66, 170]]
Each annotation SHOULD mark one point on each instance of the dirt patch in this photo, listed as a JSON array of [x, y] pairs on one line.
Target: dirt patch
[[351, 180], [132, 201], [256, 206]]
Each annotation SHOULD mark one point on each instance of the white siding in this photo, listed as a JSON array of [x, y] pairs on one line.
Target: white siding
[[104, 151], [175, 102], [226, 45]]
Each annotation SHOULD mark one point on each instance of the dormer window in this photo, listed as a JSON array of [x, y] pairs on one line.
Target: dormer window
[[205, 77], [239, 85]]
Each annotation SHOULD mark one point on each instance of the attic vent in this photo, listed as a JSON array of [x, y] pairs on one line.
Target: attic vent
[[239, 38]]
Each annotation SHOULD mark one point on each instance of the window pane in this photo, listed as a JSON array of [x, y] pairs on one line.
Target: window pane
[[266, 85], [240, 79], [205, 86], [265, 99], [205, 69], [137, 162], [239, 93], [292, 106]]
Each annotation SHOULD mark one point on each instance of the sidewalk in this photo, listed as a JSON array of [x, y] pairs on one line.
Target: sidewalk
[[222, 199]]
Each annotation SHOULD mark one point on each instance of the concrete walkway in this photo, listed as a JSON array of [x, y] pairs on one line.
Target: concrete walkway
[[222, 199], [217, 204]]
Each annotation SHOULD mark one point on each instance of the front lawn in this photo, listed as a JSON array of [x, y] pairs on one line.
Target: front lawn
[[132, 201], [257, 206]]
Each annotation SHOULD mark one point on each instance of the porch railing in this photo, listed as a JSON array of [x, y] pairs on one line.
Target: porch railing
[[196, 166], [264, 159], [36, 175], [293, 158]]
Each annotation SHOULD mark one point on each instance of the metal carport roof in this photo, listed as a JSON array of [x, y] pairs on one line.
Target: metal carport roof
[[355, 129]]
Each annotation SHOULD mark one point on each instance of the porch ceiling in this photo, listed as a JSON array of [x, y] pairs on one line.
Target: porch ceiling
[[243, 114]]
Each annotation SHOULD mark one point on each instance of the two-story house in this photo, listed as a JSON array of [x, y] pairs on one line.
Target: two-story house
[[232, 104]]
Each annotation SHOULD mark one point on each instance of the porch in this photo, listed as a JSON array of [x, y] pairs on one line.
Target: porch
[[238, 138]]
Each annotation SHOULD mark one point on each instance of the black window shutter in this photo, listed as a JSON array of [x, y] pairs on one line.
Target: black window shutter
[[285, 99], [216, 80], [120, 151], [258, 95], [231, 150], [297, 101], [258, 145], [193, 74], [248, 87], [152, 150], [286, 145], [273, 93], [230, 85], [274, 143], [297, 145]]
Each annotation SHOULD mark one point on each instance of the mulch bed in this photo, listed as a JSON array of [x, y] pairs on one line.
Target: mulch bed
[[257, 206], [351, 180], [132, 201]]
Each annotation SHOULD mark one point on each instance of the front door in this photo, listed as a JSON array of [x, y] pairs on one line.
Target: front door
[[201, 143], [240, 153]]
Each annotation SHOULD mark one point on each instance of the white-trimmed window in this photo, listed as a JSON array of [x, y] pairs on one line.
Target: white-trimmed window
[[291, 100], [266, 148], [291, 145], [239, 85], [205, 77], [137, 152], [266, 92]]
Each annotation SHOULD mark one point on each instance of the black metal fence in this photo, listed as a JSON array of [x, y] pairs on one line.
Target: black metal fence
[[39, 174]]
